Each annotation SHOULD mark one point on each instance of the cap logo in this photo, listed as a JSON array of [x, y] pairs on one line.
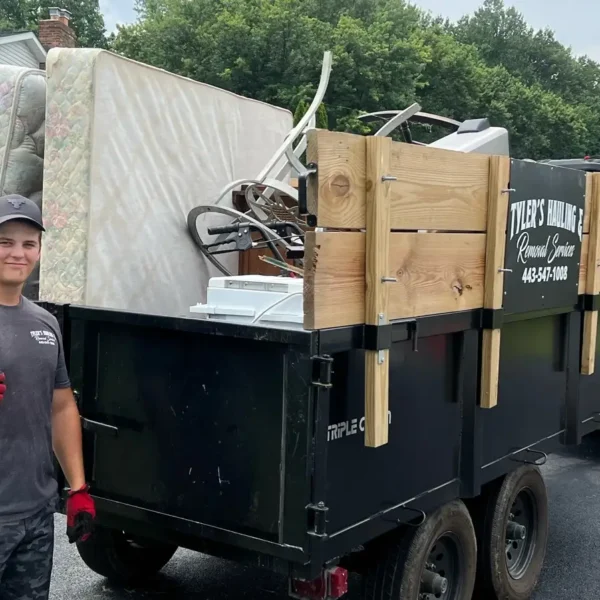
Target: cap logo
[[16, 202]]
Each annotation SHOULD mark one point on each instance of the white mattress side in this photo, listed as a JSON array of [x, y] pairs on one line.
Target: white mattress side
[[162, 144], [69, 110]]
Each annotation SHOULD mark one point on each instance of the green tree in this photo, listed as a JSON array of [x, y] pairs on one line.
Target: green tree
[[87, 20], [300, 111], [502, 37], [387, 54], [322, 117], [272, 49], [13, 15], [322, 120]]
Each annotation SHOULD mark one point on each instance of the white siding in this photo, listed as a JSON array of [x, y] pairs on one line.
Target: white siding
[[17, 54]]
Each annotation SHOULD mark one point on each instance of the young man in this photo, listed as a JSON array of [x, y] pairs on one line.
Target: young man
[[38, 414]]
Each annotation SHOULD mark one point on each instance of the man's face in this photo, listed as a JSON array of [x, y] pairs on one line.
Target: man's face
[[19, 252]]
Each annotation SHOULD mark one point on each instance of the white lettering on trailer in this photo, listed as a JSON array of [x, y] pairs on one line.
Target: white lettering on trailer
[[348, 428], [533, 213]]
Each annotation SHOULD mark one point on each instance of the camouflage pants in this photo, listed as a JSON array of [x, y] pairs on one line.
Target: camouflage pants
[[26, 556]]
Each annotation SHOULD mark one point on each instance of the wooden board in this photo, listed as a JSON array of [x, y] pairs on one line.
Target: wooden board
[[588, 207], [490, 367], [592, 275], [436, 272], [377, 291], [435, 189], [588, 350], [583, 264], [494, 277], [337, 194], [593, 253]]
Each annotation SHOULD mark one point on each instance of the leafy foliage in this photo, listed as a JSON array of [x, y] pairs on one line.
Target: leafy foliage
[[387, 55], [87, 20]]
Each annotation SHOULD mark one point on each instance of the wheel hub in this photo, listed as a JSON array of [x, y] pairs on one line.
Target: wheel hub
[[441, 578], [515, 532], [520, 535], [432, 583]]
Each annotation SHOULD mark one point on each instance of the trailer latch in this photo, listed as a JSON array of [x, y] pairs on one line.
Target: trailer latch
[[332, 584]]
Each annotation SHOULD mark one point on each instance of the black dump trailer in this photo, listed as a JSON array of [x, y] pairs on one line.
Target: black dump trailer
[[247, 442]]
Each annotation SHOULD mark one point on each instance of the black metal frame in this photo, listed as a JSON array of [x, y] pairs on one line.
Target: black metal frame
[[320, 544]]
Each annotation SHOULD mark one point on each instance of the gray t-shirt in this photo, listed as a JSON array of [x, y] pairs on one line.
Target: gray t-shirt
[[32, 358]]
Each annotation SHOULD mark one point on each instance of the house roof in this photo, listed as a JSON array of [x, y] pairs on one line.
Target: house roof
[[34, 45]]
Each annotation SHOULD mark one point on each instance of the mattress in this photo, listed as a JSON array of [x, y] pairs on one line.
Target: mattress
[[22, 117], [130, 150]]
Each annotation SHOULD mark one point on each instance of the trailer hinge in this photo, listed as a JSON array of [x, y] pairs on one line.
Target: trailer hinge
[[322, 373], [317, 520]]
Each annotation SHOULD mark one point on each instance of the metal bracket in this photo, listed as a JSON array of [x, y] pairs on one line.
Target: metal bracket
[[377, 337], [311, 169], [492, 318], [537, 463], [409, 523], [590, 302]]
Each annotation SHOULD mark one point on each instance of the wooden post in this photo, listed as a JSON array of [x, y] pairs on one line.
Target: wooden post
[[494, 277], [377, 290], [592, 284]]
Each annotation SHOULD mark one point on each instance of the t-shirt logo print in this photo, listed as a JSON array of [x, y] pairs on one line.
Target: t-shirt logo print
[[44, 338], [16, 202]]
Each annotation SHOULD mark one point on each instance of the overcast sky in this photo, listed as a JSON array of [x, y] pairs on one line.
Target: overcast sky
[[575, 26]]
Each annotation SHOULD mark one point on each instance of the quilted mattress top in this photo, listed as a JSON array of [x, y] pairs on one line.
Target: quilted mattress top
[[130, 150]]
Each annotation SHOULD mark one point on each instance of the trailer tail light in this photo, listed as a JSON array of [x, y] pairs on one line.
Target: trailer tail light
[[332, 584]]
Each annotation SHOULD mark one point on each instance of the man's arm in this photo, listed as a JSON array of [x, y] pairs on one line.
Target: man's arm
[[66, 437]]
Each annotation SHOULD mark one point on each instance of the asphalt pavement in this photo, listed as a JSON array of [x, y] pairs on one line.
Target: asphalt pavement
[[570, 572]]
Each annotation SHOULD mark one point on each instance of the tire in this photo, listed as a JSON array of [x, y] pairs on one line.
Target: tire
[[511, 571], [445, 543], [122, 559]]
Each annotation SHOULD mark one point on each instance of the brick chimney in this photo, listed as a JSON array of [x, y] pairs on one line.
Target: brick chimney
[[55, 31]]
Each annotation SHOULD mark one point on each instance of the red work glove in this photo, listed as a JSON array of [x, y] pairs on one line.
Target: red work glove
[[81, 512], [2, 385]]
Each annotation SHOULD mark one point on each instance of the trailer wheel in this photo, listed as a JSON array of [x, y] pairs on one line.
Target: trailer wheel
[[512, 534], [121, 558], [436, 561]]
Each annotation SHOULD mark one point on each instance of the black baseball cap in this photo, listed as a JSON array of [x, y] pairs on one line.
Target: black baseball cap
[[14, 206]]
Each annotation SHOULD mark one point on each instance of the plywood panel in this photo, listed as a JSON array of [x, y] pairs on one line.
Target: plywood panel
[[435, 189], [436, 273]]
